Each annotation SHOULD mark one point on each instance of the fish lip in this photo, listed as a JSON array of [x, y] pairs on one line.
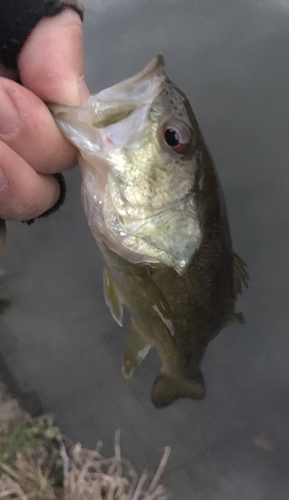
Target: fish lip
[[134, 98], [131, 90]]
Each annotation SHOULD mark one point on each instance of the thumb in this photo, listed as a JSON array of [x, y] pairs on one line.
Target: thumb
[[50, 62]]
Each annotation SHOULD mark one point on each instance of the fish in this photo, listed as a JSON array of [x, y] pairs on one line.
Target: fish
[[154, 204]]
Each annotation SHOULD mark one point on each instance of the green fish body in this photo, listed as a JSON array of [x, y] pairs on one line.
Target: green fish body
[[155, 206]]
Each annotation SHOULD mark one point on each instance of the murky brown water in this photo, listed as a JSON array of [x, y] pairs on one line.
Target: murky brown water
[[58, 338]]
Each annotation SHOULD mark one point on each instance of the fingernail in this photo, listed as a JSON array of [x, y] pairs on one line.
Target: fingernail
[[9, 117]]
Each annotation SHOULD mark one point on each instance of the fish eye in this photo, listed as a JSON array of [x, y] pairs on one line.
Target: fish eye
[[177, 136], [172, 137]]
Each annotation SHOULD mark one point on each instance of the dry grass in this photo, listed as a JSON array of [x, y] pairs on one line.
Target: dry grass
[[43, 465], [87, 476]]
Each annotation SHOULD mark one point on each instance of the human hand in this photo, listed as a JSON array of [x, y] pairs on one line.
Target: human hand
[[32, 148]]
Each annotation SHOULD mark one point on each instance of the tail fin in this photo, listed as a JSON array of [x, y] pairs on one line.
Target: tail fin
[[167, 389]]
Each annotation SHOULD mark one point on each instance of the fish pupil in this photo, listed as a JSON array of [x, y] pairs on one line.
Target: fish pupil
[[172, 137]]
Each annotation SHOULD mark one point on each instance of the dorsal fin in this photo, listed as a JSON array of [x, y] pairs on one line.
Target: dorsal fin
[[240, 274], [111, 297]]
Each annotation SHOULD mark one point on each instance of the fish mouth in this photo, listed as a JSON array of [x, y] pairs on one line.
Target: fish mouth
[[115, 103], [139, 89], [115, 115], [121, 111]]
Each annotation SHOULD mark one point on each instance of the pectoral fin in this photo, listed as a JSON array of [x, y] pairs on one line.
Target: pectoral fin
[[111, 297], [136, 348], [167, 389], [240, 274]]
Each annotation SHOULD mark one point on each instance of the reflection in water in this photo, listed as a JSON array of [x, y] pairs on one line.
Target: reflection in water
[[155, 206]]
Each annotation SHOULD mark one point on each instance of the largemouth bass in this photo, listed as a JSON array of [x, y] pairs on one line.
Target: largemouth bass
[[155, 207]]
